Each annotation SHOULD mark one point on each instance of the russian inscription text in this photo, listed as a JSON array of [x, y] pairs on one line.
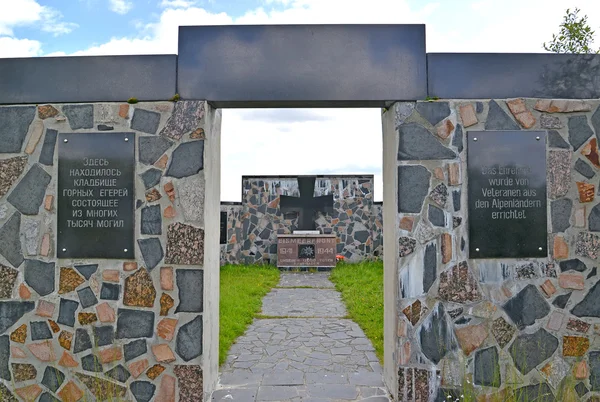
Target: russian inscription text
[[95, 195]]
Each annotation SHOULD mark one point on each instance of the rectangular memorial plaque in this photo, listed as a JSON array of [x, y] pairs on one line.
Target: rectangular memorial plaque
[[306, 250], [507, 194], [96, 195]]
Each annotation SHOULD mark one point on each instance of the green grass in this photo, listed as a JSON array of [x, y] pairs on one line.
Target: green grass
[[361, 286], [242, 290]]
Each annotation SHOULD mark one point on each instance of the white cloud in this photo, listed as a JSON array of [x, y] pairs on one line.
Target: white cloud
[[177, 3], [13, 47], [120, 6], [30, 13]]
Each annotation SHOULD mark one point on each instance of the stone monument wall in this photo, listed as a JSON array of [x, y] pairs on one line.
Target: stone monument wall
[[252, 224], [495, 326], [118, 329]]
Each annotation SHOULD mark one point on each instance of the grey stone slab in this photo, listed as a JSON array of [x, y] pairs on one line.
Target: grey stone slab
[[235, 394], [87, 79], [91, 363], [574, 264], [456, 202], [5, 357], [40, 276], [584, 169], [512, 75], [11, 312], [535, 392], [47, 152], [277, 393], [66, 312], [53, 378], [189, 339], [436, 216], [579, 131], [539, 345], [118, 373], [142, 391], [79, 116], [429, 266], [10, 242], [190, 283], [283, 378], [82, 340], [29, 193], [332, 391], [134, 324], [555, 140], [104, 335], [498, 119], [303, 303], [487, 368], [458, 139], [313, 280], [305, 65], [418, 143], [152, 252], [560, 212], [589, 306], [87, 270], [594, 358], [240, 378], [48, 397], [110, 291], [145, 121], [594, 219], [152, 148], [596, 121], [433, 112], [134, 349], [87, 298], [151, 220], [187, 160], [40, 330], [562, 300], [14, 124], [366, 378], [186, 117], [435, 335], [415, 178], [526, 307], [151, 177], [326, 377]]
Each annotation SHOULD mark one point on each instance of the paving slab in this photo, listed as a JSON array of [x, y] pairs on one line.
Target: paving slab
[[316, 280], [322, 359], [303, 303]]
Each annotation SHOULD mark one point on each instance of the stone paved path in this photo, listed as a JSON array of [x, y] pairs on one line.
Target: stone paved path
[[324, 357]]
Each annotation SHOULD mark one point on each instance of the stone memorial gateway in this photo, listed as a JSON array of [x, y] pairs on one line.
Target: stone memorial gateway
[[531, 316]]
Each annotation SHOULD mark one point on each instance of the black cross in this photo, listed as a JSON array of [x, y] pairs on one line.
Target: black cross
[[306, 205]]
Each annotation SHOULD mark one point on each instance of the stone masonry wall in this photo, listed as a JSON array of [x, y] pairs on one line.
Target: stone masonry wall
[[493, 327], [252, 226], [103, 329]]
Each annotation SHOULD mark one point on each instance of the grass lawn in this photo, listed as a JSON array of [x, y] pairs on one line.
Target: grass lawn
[[242, 290], [361, 286]]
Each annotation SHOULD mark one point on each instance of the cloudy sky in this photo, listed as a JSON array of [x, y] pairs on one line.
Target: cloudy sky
[[288, 141]]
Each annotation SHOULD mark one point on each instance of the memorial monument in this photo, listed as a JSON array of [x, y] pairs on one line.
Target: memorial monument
[[306, 246]]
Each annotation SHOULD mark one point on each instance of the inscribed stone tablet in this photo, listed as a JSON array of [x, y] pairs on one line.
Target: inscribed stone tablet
[[95, 195], [507, 194]]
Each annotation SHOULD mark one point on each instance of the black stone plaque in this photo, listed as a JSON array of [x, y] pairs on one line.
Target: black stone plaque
[[223, 236], [96, 195], [507, 194]]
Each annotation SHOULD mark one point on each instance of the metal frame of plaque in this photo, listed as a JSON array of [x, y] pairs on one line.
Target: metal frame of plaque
[[507, 194], [96, 193]]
